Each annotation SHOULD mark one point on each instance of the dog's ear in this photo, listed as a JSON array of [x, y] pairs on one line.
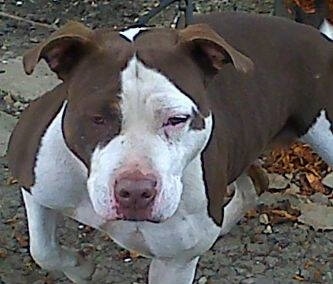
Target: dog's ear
[[205, 44], [62, 50], [214, 173]]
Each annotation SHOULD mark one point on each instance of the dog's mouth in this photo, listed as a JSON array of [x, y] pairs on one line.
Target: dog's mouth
[[137, 215], [140, 219]]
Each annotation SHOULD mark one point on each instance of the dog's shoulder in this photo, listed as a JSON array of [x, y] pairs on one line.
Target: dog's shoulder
[[25, 139]]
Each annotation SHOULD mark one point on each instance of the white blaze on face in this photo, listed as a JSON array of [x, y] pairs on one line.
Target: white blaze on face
[[146, 143], [132, 32]]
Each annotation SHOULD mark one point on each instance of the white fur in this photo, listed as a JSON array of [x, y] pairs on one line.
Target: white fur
[[327, 29], [244, 199], [148, 99], [320, 137], [132, 32], [44, 247]]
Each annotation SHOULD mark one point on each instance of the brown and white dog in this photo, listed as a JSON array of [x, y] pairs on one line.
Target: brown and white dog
[[150, 126]]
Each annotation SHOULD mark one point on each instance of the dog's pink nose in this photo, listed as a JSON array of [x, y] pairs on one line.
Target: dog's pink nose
[[135, 193]]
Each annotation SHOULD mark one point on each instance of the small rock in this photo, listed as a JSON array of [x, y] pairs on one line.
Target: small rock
[[264, 219], [268, 230], [328, 180], [293, 189], [17, 104], [240, 270], [8, 99], [258, 268], [305, 274], [320, 198], [289, 176], [271, 261], [40, 281], [34, 40], [202, 280], [248, 281], [277, 181]]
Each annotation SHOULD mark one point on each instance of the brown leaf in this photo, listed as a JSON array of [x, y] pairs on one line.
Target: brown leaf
[[282, 213], [21, 239], [298, 277], [134, 254], [251, 214], [11, 181], [3, 253]]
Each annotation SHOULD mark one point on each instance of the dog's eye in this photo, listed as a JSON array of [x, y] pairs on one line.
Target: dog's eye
[[175, 120], [98, 119]]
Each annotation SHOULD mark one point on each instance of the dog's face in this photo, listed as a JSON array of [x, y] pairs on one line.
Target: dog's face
[[135, 112]]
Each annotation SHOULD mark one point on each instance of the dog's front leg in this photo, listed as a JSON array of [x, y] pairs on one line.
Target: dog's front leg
[[172, 271], [244, 199], [44, 248]]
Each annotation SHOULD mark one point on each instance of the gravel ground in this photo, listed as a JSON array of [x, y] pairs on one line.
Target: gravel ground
[[252, 253]]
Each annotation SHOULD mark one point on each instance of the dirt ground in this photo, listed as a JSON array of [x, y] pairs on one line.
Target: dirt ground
[[289, 253]]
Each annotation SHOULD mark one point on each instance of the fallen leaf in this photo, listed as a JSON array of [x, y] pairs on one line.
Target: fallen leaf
[[3, 253], [21, 239], [252, 213], [11, 181], [281, 213], [298, 278], [134, 254]]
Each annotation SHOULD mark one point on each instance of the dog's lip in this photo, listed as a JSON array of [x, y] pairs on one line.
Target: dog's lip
[[150, 220]]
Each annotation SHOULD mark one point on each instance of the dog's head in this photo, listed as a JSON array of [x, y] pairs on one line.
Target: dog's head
[[136, 112]]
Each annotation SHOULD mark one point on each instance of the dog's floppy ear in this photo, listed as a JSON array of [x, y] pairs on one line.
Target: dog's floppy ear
[[62, 50], [205, 42]]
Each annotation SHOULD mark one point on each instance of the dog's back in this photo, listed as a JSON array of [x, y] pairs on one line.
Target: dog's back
[[290, 82]]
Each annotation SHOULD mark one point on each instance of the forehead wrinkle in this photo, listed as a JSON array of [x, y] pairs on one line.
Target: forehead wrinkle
[[145, 91]]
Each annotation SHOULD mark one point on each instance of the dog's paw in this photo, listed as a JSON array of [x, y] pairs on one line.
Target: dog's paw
[[82, 272]]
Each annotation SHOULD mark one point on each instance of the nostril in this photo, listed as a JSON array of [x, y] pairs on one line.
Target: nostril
[[124, 193], [146, 194]]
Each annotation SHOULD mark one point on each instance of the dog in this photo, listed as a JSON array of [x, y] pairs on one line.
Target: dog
[[151, 125]]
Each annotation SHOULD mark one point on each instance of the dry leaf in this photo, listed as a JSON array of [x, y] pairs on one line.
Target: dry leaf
[[305, 167], [21, 239], [3, 253], [11, 181], [298, 278], [282, 213], [134, 254]]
